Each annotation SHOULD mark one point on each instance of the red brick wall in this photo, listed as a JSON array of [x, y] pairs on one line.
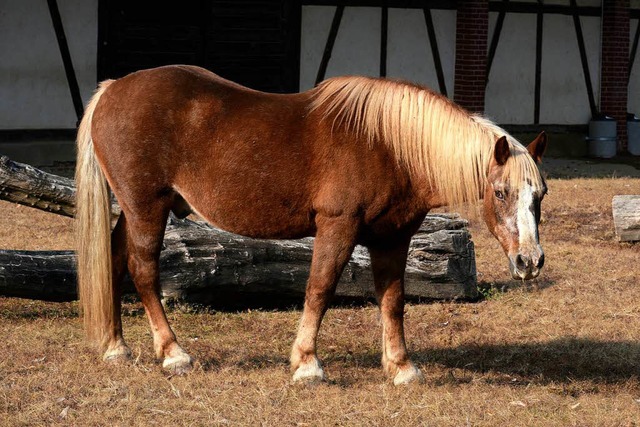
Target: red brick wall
[[472, 24], [615, 64]]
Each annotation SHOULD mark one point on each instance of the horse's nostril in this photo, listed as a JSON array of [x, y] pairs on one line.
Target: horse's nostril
[[522, 263], [540, 263]]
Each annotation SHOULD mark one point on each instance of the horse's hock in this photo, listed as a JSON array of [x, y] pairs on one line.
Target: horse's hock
[[203, 264]]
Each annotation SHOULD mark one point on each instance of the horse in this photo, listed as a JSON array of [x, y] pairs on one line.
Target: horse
[[355, 160]]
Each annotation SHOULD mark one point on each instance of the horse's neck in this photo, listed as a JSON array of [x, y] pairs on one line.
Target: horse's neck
[[432, 196]]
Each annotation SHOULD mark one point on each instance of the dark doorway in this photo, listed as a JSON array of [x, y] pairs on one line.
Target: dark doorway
[[255, 43]]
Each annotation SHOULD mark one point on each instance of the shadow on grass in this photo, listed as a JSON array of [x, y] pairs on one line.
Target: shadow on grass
[[562, 361], [565, 359]]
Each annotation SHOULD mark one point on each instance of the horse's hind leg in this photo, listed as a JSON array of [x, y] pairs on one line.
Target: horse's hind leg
[[145, 232], [332, 248], [388, 263], [117, 350]]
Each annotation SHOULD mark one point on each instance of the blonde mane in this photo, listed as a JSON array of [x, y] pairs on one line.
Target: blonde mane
[[433, 137]]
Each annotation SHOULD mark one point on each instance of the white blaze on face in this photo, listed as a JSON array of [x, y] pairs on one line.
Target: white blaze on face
[[527, 236]]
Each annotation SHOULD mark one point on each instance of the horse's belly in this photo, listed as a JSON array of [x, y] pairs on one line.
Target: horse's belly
[[266, 218]]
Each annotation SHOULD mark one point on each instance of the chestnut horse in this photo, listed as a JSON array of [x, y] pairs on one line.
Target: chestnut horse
[[355, 160]]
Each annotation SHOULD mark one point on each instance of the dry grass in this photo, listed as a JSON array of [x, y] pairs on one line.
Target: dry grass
[[564, 350]]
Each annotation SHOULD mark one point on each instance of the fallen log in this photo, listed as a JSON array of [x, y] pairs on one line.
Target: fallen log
[[29, 186], [626, 217], [202, 264]]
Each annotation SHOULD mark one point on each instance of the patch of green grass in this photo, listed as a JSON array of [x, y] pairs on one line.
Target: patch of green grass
[[490, 291]]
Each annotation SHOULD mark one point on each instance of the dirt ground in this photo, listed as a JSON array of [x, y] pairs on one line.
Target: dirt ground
[[563, 350], [581, 168]]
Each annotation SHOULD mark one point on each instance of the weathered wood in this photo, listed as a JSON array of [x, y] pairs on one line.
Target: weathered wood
[[42, 275], [29, 186], [201, 264], [626, 217]]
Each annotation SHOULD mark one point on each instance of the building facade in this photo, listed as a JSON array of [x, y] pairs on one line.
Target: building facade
[[527, 64]]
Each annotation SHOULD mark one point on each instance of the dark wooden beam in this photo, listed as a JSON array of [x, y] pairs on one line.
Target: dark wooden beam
[[634, 49], [404, 4], [435, 52], [494, 6], [384, 27], [331, 39], [66, 58], [583, 57], [549, 9], [538, 72], [495, 38]]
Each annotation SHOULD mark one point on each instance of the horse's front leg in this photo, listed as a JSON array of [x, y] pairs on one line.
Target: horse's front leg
[[388, 263], [334, 243]]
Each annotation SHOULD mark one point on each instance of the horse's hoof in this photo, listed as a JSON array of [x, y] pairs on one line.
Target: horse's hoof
[[179, 364], [119, 354], [408, 375], [309, 373]]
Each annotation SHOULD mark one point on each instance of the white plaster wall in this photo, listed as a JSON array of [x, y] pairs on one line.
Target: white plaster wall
[[409, 53], [357, 45], [510, 90], [34, 93], [315, 25], [563, 94], [511, 86], [563, 97]]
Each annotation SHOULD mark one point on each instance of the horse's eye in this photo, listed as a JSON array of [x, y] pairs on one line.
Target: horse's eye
[[499, 195]]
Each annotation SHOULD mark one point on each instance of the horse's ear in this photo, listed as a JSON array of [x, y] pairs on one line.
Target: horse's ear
[[502, 151], [538, 146]]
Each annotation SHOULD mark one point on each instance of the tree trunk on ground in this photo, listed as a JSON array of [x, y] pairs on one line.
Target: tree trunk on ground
[[29, 186], [626, 217], [202, 264]]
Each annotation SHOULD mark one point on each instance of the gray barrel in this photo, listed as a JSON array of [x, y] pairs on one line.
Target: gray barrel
[[633, 134], [602, 138]]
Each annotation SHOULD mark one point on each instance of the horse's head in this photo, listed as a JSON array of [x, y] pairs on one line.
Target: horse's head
[[512, 206]]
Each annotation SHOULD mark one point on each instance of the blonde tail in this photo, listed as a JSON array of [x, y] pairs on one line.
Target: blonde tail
[[93, 233]]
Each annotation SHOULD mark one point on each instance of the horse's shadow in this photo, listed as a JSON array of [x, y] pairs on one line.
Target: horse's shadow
[[562, 360]]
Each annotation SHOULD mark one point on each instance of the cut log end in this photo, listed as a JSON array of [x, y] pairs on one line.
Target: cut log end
[[626, 217]]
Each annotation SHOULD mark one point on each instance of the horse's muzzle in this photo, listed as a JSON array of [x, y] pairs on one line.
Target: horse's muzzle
[[524, 267]]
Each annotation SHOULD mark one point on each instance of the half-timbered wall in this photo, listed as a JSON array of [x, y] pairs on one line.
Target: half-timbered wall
[[510, 90], [35, 93], [357, 44]]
